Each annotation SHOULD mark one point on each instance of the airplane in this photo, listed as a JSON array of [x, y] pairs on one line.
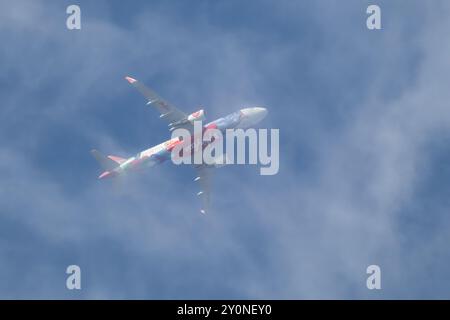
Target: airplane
[[114, 166]]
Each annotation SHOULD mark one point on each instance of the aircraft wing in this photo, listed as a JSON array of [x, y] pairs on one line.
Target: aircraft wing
[[175, 117], [204, 179]]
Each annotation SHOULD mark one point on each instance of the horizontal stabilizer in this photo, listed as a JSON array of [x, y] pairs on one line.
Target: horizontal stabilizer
[[106, 163], [117, 159]]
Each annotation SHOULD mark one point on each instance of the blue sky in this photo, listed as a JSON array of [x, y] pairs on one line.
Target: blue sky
[[364, 150]]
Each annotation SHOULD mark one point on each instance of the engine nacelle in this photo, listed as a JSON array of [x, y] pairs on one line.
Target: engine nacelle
[[196, 116]]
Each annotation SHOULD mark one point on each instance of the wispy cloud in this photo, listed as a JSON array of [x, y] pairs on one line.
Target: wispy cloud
[[355, 110]]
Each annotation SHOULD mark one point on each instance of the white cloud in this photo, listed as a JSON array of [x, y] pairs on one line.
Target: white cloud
[[296, 235]]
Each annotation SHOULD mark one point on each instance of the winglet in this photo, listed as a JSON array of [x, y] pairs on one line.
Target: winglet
[[130, 80]]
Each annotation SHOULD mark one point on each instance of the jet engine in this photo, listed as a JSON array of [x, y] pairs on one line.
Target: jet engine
[[196, 116]]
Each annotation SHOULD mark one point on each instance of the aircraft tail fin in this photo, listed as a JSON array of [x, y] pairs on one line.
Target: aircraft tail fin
[[107, 163]]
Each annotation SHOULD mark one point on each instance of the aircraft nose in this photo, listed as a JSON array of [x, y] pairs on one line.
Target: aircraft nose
[[256, 112], [262, 112], [252, 116]]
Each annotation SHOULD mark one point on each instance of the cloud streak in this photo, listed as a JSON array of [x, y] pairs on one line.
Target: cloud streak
[[356, 110]]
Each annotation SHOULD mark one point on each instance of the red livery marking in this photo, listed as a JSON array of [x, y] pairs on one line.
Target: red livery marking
[[171, 145], [130, 79], [104, 174], [117, 159], [211, 126], [107, 174]]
